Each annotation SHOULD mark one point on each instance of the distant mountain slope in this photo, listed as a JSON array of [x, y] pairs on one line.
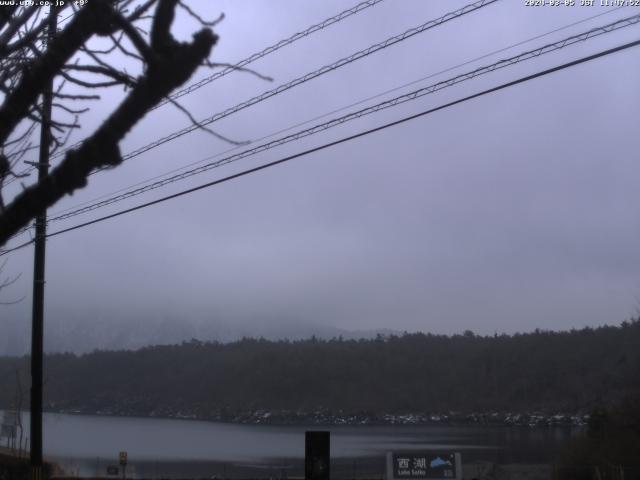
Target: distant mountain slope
[[547, 371], [112, 331]]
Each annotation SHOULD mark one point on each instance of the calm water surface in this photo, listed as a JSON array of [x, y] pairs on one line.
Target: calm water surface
[[89, 443]]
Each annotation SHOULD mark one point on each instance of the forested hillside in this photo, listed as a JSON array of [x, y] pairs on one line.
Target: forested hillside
[[543, 371]]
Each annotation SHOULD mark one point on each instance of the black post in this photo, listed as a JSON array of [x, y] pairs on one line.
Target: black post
[[317, 455], [38, 281]]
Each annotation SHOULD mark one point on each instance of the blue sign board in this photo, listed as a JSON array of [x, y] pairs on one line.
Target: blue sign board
[[424, 465]]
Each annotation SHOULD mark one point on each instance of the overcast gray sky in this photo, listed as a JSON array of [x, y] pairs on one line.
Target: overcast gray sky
[[514, 211]]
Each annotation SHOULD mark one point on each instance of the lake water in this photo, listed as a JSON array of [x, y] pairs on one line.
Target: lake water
[[165, 447]]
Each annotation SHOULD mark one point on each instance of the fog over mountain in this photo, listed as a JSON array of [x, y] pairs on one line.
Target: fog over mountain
[[513, 211], [83, 333]]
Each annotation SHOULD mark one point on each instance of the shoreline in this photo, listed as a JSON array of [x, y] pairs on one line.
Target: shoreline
[[359, 468], [320, 418]]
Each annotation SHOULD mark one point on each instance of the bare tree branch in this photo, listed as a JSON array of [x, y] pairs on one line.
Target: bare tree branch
[[88, 21], [203, 127], [167, 65], [6, 283], [14, 25], [211, 23], [29, 37], [119, 78]]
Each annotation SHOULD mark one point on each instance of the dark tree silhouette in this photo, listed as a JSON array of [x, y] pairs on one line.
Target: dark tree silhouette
[[76, 58], [551, 372]]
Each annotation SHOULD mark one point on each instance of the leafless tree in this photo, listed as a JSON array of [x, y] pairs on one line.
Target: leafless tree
[[6, 282], [18, 403], [79, 58]]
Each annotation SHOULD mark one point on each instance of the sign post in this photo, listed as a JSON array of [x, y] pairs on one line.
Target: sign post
[[123, 463], [424, 466]]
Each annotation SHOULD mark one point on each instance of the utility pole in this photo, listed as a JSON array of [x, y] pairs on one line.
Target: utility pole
[[37, 319]]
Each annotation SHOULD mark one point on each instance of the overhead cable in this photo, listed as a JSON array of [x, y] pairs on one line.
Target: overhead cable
[[343, 108], [472, 7], [256, 56], [357, 135], [315, 74], [344, 139], [270, 49], [358, 114]]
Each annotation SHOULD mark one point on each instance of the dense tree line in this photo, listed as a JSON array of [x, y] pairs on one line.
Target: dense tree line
[[543, 370]]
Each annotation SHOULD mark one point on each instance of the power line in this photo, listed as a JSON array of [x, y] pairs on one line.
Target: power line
[[316, 73], [530, 54], [359, 102], [533, 53], [300, 80], [257, 55], [13, 249], [518, 81], [352, 105], [272, 48], [246, 61], [472, 7]]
